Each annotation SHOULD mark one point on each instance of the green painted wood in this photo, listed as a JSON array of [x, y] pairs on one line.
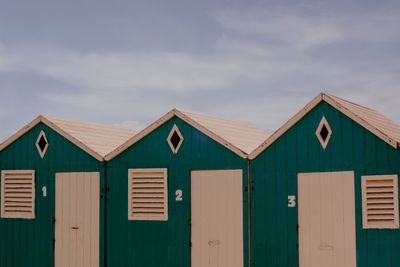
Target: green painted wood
[[160, 243], [274, 174], [30, 242]]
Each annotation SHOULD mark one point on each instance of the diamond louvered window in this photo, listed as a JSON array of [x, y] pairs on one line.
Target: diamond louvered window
[[380, 201], [175, 139], [42, 144], [18, 194], [324, 132], [148, 194]]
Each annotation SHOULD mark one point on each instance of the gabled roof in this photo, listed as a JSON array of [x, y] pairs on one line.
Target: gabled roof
[[240, 137], [96, 139], [370, 119]]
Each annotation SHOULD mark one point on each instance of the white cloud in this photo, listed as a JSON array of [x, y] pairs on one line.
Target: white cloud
[[263, 67], [281, 29], [124, 71]]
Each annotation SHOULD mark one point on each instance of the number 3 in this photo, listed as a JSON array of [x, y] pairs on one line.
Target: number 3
[[291, 201]]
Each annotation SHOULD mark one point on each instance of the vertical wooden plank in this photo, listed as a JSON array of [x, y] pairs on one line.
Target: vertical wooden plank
[[303, 214], [371, 169], [87, 222], [324, 199], [80, 204], [65, 220], [281, 197], [349, 219], [271, 210], [58, 232], [337, 219], [95, 208]]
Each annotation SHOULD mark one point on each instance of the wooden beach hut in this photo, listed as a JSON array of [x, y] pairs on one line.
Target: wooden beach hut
[[52, 193], [326, 189], [178, 193]]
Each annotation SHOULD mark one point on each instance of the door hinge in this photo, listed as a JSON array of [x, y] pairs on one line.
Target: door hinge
[[190, 244], [190, 222]]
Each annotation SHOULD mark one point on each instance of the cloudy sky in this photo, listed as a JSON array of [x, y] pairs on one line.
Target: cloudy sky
[[127, 62]]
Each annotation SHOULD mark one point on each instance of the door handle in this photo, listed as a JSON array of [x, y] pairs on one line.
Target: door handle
[[325, 247], [74, 227], [214, 242]]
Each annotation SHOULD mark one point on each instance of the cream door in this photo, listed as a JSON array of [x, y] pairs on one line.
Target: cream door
[[326, 219], [217, 218], [77, 219]]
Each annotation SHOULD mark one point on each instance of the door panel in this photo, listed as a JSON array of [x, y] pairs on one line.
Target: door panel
[[77, 219], [326, 219], [217, 218]]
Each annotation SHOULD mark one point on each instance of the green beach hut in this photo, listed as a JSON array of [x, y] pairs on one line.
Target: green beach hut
[[326, 189], [52, 193], [178, 193]]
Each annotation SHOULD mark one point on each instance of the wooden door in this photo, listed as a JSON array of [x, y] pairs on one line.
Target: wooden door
[[77, 219], [217, 218], [326, 219]]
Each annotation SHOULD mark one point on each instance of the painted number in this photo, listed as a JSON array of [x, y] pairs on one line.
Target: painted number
[[44, 191], [178, 195], [291, 201]]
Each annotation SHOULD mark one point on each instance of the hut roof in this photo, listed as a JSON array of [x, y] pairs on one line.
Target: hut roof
[[372, 120], [238, 136], [96, 139]]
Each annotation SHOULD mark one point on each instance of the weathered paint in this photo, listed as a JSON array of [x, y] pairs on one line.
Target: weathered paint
[[163, 243], [30, 242], [274, 175]]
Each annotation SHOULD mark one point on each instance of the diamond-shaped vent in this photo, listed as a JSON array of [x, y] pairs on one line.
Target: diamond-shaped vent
[[175, 139], [324, 132], [42, 144]]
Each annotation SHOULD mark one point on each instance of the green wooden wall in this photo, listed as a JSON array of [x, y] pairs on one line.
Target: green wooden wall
[[30, 242], [274, 175], [160, 243]]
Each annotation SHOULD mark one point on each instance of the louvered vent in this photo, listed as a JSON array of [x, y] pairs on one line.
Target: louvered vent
[[148, 194], [18, 194], [380, 201]]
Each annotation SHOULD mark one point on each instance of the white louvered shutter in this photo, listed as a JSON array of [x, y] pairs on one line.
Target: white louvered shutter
[[18, 194], [380, 201], [147, 194]]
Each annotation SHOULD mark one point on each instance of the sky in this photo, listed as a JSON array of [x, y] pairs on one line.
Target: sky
[[128, 62]]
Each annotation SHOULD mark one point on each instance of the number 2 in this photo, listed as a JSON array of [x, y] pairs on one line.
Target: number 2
[[178, 195], [44, 191]]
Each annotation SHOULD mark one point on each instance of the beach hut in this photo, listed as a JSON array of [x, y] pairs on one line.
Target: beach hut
[[52, 193], [326, 189], [178, 193]]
